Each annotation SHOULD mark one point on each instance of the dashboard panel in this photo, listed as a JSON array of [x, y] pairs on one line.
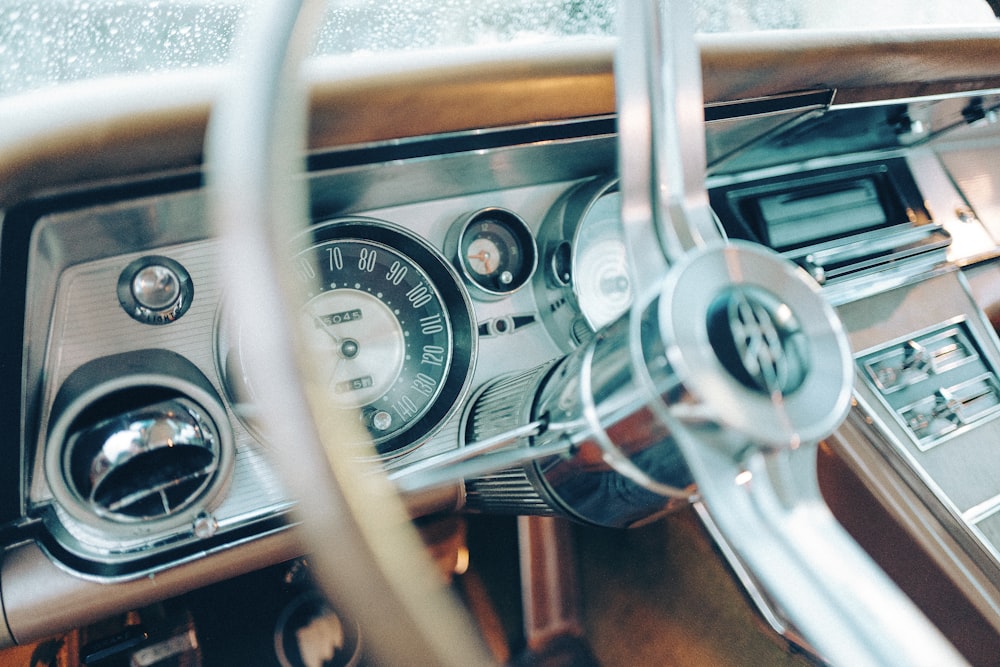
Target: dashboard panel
[[400, 261], [364, 268], [410, 319]]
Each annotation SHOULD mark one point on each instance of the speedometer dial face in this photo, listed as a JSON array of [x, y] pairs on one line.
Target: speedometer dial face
[[389, 328]]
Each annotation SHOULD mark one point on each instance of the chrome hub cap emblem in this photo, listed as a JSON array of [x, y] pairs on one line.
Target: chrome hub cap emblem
[[758, 340]]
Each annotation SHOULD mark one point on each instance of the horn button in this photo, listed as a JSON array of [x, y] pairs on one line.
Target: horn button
[[758, 340]]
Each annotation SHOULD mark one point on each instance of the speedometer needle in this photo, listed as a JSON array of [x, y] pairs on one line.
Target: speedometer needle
[[338, 343], [325, 328]]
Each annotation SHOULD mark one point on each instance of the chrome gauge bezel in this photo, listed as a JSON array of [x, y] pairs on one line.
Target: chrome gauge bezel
[[513, 247], [444, 287], [567, 232]]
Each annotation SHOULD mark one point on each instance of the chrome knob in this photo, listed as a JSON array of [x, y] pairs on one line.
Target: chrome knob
[[156, 287], [155, 290]]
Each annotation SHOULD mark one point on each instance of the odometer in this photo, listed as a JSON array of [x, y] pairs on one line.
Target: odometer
[[389, 327]]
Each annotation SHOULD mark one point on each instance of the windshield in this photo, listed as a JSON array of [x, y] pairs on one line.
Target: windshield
[[46, 42]]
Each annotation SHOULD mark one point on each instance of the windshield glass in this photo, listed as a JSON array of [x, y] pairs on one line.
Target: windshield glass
[[45, 42]]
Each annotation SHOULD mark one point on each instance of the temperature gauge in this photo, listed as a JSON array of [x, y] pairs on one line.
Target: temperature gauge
[[495, 251]]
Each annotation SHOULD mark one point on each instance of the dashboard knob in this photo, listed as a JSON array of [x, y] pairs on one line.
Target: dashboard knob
[[156, 287], [155, 290]]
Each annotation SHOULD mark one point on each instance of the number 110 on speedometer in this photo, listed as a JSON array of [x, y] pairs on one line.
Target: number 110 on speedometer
[[380, 331]]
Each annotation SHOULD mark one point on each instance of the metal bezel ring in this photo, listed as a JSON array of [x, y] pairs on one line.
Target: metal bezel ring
[[159, 371], [808, 413]]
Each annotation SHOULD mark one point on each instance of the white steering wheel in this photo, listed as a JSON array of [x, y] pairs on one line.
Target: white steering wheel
[[749, 405]]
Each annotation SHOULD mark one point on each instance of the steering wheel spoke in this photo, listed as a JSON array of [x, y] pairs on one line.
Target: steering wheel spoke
[[763, 360], [661, 155]]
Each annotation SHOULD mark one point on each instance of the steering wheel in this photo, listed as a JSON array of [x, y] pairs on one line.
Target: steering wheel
[[758, 366]]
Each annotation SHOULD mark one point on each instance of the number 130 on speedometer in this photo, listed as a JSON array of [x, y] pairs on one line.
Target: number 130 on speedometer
[[389, 328]]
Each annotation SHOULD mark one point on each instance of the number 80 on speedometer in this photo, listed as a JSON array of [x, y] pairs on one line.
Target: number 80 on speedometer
[[388, 327]]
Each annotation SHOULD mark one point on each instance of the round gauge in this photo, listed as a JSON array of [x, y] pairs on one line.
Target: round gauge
[[496, 251], [388, 327], [586, 283], [600, 273]]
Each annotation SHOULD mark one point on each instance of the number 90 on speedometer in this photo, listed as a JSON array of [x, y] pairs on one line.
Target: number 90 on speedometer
[[388, 327]]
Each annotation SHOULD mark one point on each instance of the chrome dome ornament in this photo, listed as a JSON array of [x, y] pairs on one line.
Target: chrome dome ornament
[[759, 340]]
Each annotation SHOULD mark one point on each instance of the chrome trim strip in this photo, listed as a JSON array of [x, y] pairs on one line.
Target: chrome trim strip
[[805, 100]]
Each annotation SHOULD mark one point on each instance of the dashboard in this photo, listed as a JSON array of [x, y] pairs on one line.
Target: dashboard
[[446, 273], [411, 307]]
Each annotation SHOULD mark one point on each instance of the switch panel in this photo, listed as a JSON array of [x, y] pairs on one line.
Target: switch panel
[[936, 383]]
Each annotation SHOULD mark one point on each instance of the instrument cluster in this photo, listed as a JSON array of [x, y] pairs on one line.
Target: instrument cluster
[[391, 320], [409, 310]]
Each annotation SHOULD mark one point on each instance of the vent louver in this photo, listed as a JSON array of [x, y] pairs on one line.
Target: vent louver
[[138, 447], [147, 463]]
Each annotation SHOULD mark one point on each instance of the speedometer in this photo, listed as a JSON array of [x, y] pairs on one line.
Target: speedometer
[[389, 330]]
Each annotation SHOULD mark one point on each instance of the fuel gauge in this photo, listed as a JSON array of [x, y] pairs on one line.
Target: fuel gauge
[[495, 251]]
